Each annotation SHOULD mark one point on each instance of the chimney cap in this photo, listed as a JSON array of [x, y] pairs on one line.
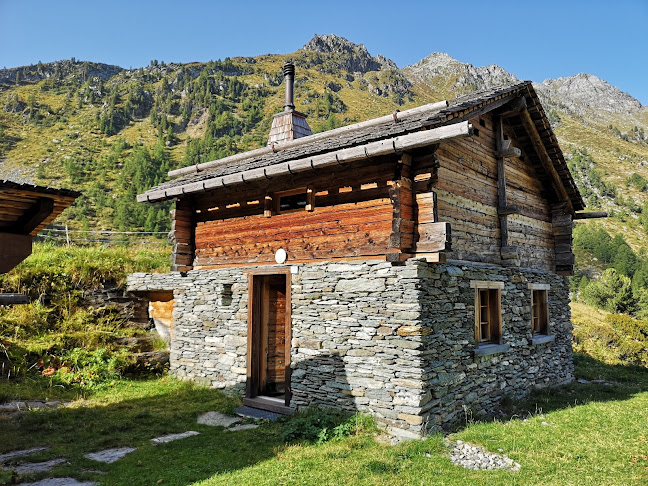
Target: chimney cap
[[289, 68], [289, 79]]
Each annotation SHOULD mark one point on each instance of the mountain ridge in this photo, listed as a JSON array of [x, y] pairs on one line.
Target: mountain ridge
[[93, 125]]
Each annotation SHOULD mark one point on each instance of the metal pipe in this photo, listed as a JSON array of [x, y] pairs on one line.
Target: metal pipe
[[289, 78]]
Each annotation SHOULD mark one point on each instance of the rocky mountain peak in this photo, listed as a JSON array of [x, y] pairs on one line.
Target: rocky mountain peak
[[463, 77], [356, 57], [585, 93]]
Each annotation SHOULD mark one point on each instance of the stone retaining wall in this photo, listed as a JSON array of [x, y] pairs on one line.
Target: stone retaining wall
[[396, 341]]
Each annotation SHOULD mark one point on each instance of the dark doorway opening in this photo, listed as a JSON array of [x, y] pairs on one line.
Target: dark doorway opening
[[268, 381]]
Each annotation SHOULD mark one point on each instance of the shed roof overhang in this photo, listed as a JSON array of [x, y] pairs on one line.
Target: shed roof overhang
[[400, 131]]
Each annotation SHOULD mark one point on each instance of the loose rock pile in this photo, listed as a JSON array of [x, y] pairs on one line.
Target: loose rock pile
[[473, 457]]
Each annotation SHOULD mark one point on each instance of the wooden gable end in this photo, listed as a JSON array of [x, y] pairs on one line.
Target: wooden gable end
[[501, 204]]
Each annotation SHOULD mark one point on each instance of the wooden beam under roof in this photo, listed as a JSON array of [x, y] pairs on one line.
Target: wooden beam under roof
[[544, 157]]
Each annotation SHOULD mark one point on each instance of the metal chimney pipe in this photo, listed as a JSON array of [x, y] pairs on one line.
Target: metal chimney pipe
[[289, 78]]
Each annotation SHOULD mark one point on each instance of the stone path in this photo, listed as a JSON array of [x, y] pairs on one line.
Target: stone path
[[34, 467], [171, 437], [473, 457], [60, 482], [12, 409], [107, 456], [25, 452], [216, 419], [255, 413]]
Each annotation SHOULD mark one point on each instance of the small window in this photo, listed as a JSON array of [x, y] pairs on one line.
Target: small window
[[295, 200], [226, 295], [292, 202], [488, 314], [539, 309]]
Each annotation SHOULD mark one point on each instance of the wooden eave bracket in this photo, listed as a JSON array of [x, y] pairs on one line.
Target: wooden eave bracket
[[591, 215], [506, 210], [512, 108], [509, 152], [34, 216]]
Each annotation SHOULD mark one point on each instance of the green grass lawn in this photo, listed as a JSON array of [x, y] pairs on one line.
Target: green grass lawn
[[579, 434]]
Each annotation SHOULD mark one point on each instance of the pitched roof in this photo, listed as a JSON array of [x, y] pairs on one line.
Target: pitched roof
[[22, 210], [199, 178]]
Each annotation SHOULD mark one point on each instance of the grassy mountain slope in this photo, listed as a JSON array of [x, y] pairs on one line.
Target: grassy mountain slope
[[86, 125]]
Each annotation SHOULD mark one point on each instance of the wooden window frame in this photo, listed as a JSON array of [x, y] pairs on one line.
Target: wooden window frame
[[275, 200], [488, 312], [540, 309]]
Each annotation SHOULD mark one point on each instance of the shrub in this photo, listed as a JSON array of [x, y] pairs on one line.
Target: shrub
[[612, 292], [319, 425]]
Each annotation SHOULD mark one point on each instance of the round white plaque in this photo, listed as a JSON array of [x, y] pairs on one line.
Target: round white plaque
[[280, 255]]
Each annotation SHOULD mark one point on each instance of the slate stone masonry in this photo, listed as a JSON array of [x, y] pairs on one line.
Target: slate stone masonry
[[396, 341]]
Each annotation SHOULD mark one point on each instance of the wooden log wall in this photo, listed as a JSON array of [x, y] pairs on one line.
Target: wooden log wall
[[351, 217], [467, 197], [182, 235], [454, 198]]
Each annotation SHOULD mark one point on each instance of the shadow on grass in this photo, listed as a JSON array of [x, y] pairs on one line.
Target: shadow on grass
[[595, 382], [133, 414]]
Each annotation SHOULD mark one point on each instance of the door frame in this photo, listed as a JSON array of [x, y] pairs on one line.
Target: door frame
[[251, 385]]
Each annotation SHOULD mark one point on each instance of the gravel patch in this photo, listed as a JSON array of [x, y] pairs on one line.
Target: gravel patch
[[110, 455], [473, 457], [171, 437]]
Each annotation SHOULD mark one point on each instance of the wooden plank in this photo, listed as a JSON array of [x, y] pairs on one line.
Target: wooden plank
[[591, 215], [434, 237], [14, 248], [12, 299], [34, 216]]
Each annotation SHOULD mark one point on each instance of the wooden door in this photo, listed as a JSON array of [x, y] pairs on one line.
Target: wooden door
[[269, 327]]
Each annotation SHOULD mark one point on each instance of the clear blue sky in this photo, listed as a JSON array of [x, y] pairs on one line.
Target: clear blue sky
[[532, 39]]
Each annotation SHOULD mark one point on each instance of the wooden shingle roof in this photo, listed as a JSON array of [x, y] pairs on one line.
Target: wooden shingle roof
[[195, 179]]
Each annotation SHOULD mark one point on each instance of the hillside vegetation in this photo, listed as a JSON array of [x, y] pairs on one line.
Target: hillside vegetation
[[65, 342], [113, 133]]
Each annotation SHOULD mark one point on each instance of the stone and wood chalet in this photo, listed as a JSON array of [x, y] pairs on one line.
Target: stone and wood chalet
[[25, 209], [412, 266]]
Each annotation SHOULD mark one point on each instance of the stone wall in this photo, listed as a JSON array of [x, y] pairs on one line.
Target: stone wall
[[396, 341], [463, 384]]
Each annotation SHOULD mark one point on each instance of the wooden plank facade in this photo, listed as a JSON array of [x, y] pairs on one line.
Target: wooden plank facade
[[456, 200]]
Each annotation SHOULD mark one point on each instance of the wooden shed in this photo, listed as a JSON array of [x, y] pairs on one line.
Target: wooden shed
[[410, 266], [25, 209]]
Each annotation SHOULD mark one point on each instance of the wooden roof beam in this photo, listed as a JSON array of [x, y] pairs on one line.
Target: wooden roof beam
[[513, 108], [544, 157], [34, 216], [341, 157], [591, 215]]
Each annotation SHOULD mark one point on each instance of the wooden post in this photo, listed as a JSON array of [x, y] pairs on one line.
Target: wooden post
[[182, 234], [562, 223], [401, 194], [510, 255]]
